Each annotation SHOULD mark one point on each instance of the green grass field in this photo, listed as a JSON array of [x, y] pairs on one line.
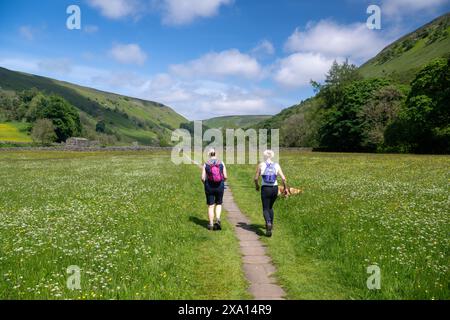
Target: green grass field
[[135, 225], [133, 222], [14, 132], [358, 210]]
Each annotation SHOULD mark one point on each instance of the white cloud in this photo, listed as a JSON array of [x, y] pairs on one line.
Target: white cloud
[[194, 98], [263, 48], [299, 69], [116, 9], [179, 12], [27, 32], [128, 54], [401, 7], [202, 99], [229, 104], [221, 64], [327, 38]]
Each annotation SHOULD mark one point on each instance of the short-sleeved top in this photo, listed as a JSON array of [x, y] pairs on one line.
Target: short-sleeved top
[[263, 167], [208, 183]]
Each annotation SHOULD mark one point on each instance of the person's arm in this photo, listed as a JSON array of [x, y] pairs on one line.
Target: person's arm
[[204, 174], [257, 175], [225, 175], [283, 178]]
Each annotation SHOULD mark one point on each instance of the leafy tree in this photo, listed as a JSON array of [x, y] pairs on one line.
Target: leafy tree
[[9, 104], [433, 82], [27, 95], [378, 113], [100, 126], [43, 131], [423, 126], [64, 116], [339, 76], [38, 102], [343, 129], [301, 129]]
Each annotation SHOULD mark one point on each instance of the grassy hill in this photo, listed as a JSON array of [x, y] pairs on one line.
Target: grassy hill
[[129, 119], [234, 122], [402, 59]]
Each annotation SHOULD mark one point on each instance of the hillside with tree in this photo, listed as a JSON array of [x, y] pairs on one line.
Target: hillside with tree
[[396, 102], [79, 111]]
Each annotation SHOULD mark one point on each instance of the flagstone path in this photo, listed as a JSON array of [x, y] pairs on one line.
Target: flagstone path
[[257, 265]]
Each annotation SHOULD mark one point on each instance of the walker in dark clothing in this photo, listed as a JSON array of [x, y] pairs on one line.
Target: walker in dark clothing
[[214, 191], [269, 195]]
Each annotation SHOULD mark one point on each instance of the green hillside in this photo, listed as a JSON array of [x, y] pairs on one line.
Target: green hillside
[[234, 122], [128, 119], [402, 59], [399, 63]]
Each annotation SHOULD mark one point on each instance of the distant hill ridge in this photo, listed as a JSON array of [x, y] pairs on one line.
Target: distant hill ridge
[[130, 119], [399, 61], [234, 122]]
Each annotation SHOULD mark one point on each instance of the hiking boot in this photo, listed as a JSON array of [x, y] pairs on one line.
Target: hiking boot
[[210, 227], [269, 228], [218, 225]]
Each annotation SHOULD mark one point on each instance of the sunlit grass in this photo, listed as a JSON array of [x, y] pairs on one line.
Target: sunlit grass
[[133, 222], [13, 132], [356, 211]]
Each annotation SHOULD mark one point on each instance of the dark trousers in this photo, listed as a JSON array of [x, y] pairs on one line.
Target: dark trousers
[[268, 197]]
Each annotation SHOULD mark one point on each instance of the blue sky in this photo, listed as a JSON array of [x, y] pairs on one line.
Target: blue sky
[[204, 58]]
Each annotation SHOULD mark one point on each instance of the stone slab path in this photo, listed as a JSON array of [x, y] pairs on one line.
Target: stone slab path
[[257, 265]]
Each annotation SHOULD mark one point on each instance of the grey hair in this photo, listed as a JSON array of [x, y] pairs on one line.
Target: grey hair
[[269, 154]]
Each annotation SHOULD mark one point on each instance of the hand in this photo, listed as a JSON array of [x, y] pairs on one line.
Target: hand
[[257, 188]]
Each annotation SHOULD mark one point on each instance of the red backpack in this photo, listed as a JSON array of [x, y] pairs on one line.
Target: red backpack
[[215, 173]]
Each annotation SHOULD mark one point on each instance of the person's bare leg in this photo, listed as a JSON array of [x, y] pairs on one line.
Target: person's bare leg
[[218, 211], [211, 215]]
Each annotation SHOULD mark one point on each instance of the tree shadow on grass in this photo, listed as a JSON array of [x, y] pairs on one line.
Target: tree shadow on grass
[[199, 222], [259, 229]]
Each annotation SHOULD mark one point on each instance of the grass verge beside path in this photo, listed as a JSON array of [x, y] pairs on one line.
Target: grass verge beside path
[[358, 210], [133, 222]]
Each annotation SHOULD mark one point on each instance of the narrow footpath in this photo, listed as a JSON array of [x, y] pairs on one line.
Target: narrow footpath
[[257, 265]]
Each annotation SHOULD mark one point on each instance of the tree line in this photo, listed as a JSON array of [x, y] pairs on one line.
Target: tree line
[[52, 118], [352, 114]]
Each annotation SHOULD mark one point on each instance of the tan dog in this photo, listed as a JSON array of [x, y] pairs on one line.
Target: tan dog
[[290, 192]]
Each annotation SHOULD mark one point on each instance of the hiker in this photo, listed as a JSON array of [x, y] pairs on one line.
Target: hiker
[[214, 175], [269, 171]]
